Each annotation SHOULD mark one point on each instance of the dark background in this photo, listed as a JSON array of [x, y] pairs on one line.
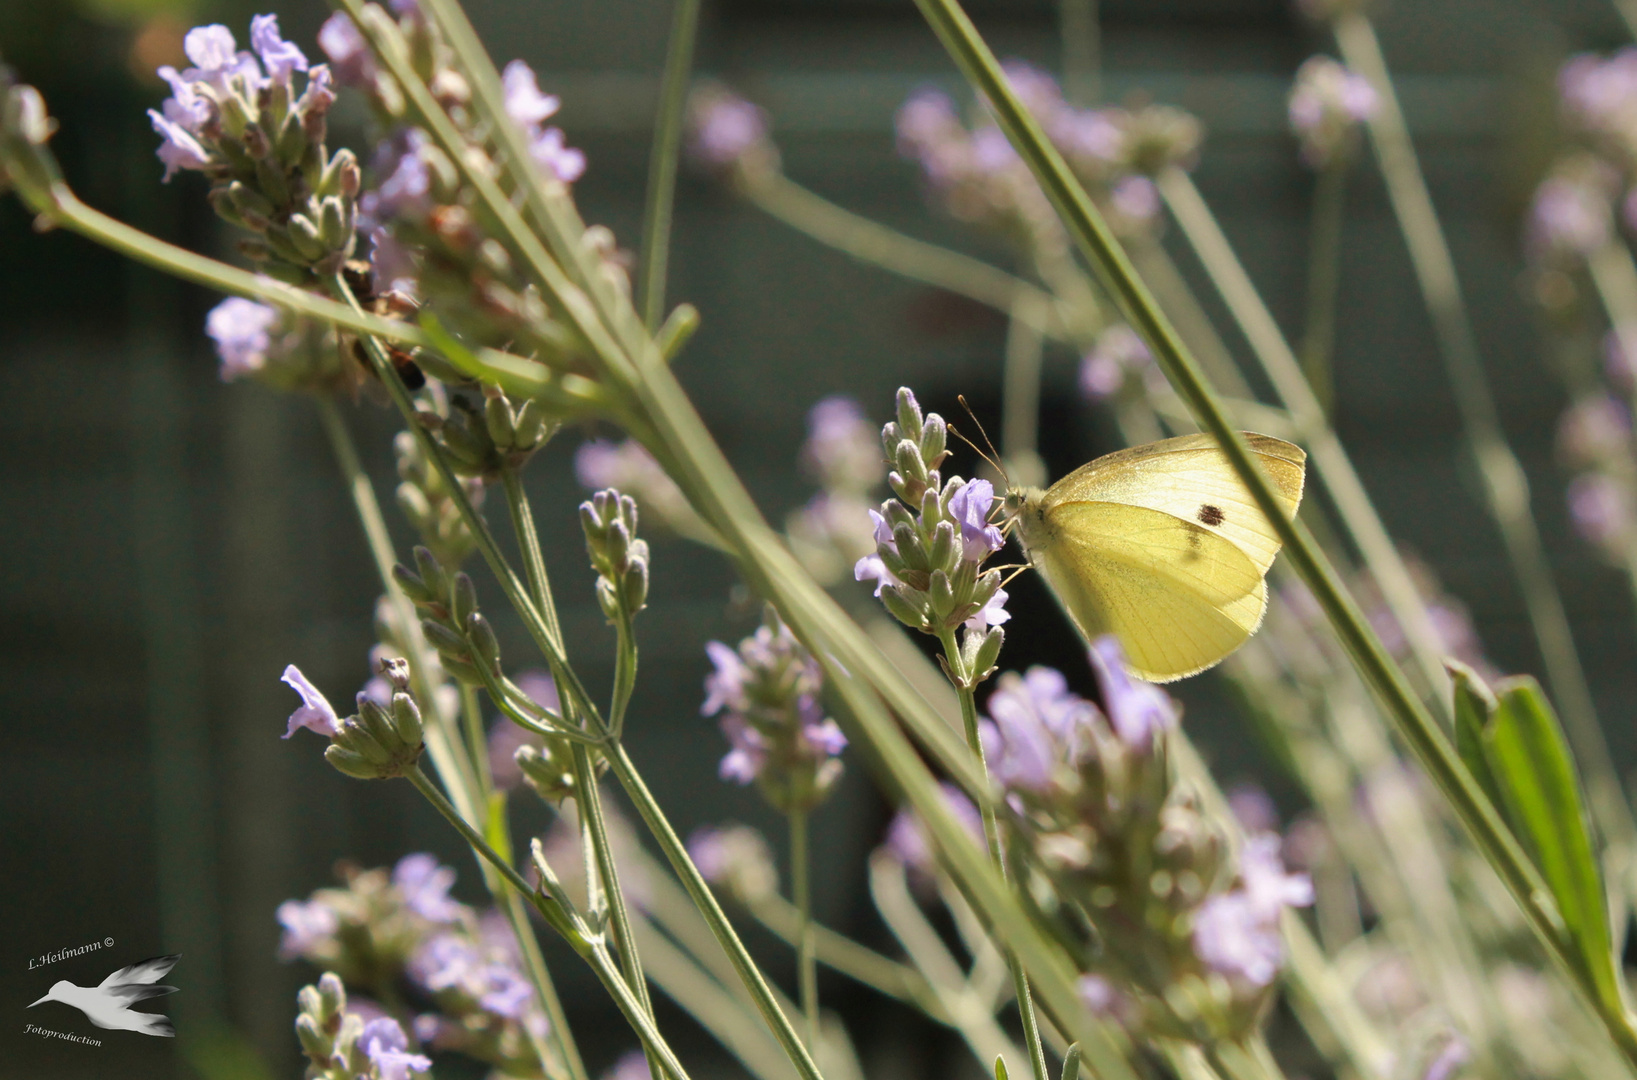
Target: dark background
[[168, 543]]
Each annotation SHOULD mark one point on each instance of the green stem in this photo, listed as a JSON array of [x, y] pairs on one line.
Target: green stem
[[871, 242], [997, 853], [591, 950], [1323, 278], [439, 743], [842, 954], [477, 743], [1414, 723], [677, 854], [1330, 460], [801, 895], [662, 161]]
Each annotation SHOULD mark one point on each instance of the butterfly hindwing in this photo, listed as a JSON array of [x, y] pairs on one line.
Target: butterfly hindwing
[[1179, 596]]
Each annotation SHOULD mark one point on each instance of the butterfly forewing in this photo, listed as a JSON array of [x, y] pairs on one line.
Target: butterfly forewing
[[1191, 479]]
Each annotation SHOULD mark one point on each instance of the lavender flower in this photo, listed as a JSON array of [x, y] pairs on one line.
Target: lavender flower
[[1599, 97], [1601, 511], [1037, 728], [528, 109], [316, 713], [736, 858], [1236, 934], [629, 467], [349, 54], [907, 839], [932, 540], [387, 1048], [1137, 710], [425, 884], [242, 330], [1327, 104], [280, 57], [768, 692], [841, 448], [729, 134], [1570, 217], [309, 927], [632, 1065], [1118, 354]]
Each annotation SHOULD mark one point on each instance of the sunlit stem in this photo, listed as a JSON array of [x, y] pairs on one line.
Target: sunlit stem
[[802, 894], [991, 832], [662, 162]]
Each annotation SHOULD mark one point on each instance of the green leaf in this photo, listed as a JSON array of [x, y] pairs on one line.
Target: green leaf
[[1000, 1067], [1071, 1062], [1533, 768], [1474, 709]]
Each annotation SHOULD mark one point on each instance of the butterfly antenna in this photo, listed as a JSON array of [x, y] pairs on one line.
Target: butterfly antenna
[[993, 456], [1007, 580]]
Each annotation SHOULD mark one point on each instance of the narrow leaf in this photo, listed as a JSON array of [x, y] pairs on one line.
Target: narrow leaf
[[1534, 769], [1474, 709], [1071, 1062]]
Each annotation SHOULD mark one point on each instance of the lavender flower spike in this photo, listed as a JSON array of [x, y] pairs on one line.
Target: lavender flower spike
[[316, 713], [387, 1048]]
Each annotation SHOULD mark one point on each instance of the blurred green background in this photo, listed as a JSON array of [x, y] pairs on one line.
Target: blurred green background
[[171, 542]]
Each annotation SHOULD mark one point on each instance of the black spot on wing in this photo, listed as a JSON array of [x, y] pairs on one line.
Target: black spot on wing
[[1211, 515]]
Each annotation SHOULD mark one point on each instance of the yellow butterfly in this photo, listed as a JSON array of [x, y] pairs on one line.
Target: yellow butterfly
[[1163, 546]]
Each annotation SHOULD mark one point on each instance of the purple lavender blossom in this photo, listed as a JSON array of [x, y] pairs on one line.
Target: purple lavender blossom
[[280, 57], [970, 508], [1036, 89], [348, 52], [180, 150], [992, 613], [871, 567], [1093, 135], [406, 190], [316, 713], [1570, 216], [907, 839], [724, 128], [743, 763], [525, 104], [1135, 198], [424, 884], [842, 450], [1600, 509], [1253, 809], [556, 157], [1600, 95], [1236, 933], [1103, 998], [926, 117], [1137, 710], [1118, 353], [387, 1048], [632, 1065], [308, 926], [242, 331], [1035, 725], [1327, 104]]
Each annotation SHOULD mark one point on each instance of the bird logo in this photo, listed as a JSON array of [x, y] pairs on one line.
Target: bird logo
[[108, 1004]]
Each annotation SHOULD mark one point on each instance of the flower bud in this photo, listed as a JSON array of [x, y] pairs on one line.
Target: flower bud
[[411, 583], [485, 646], [314, 1042], [431, 572], [406, 718], [465, 597]]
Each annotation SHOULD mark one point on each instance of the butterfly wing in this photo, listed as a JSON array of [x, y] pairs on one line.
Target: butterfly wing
[[1190, 478], [1178, 595]]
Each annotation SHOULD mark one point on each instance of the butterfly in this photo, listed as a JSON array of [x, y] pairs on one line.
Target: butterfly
[[1163, 546]]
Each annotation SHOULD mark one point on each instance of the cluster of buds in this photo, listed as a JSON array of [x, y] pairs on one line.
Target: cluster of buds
[[830, 533], [1118, 364], [385, 933], [482, 443], [453, 625], [620, 559], [737, 860], [931, 541], [628, 466], [432, 232], [236, 117], [728, 136], [1097, 812], [974, 173], [341, 1045], [767, 692], [430, 506], [379, 742], [1327, 104]]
